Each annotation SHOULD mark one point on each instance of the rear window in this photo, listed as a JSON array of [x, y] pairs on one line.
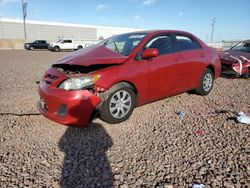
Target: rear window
[[186, 43]]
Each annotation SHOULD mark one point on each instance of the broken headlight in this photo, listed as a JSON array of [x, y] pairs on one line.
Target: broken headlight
[[76, 83]]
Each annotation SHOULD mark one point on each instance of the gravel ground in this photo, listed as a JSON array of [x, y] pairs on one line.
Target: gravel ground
[[154, 148]]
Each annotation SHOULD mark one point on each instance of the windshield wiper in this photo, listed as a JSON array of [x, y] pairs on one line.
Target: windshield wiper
[[116, 49]]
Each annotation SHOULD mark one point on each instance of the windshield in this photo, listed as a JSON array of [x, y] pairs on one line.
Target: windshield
[[59, 40], [125, 43], [242, 46]]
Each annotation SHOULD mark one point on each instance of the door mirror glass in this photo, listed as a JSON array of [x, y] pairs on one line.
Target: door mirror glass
[[149, 53]]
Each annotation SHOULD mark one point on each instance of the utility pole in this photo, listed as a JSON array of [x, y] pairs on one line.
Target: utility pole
[[212, 34], [24, 6]]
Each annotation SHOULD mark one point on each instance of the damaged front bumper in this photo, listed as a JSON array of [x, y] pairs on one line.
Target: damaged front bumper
[[67, 107], [231, 65]]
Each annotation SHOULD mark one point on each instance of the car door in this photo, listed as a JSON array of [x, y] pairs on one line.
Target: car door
[[40, 44], [36, 44], [44, 44], [164, 69], [191, 57], [66, 44]]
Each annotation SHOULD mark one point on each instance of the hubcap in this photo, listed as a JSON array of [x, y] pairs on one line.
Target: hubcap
[[207, 82], [120, 104]]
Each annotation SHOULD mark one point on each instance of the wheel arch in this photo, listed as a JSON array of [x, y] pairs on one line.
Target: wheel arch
[[211, 67], [128, 84]]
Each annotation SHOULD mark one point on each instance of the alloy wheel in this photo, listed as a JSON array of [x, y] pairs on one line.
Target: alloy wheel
[[120, 104], [207, 82]]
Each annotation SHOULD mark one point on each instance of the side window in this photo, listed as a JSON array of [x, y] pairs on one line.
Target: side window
[[186, 43], [162, 44], [67, 41]]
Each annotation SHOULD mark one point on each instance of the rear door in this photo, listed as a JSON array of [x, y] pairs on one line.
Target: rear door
[[44, 44], [164, 69], [192, 60]]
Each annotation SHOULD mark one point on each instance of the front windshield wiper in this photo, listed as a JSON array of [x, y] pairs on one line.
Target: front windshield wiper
[[116, 49]]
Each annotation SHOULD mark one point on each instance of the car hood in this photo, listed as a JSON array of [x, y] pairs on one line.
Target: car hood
[[93, 55], [237, 54]]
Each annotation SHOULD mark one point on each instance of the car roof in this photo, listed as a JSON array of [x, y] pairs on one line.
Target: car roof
[[247, 41], [159, 31]]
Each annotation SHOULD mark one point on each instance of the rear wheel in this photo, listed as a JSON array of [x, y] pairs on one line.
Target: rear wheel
[[119, 105], [206, 83]]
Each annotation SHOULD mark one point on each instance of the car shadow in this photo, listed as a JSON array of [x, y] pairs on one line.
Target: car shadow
[[85, 163], [234, 76]]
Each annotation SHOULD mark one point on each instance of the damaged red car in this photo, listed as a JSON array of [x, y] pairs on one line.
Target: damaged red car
[[110, 79], [236, 61]]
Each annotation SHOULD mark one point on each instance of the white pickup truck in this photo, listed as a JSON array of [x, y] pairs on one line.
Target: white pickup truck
[[68, 44]]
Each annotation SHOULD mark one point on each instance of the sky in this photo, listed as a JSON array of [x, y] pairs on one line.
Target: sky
[[232, 17]]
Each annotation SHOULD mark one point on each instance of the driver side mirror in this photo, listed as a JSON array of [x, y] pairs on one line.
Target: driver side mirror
[[149, 53]]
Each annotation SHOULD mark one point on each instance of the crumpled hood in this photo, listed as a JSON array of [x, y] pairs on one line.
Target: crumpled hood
[[93, 55], [237, 54]]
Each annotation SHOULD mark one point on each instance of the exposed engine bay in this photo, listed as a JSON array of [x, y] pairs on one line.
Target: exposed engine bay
[[73, 70]]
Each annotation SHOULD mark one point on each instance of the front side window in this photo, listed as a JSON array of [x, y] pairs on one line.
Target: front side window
[[125, 43], [242, 46], [184, 43], [162, 44], [67, 41]]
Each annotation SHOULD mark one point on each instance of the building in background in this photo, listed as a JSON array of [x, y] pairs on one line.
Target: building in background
[[12, 29]]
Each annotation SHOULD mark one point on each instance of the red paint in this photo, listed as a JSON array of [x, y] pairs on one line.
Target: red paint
[[93, 55], [200, 132], [149, 53], [154, 78]]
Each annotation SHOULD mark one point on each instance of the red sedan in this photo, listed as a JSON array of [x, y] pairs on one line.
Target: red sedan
[[113, 77]]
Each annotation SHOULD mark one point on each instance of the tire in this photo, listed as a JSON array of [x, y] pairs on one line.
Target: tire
[[206, 83], [31, 48], [56, 49], [112, 111], [79, 47]]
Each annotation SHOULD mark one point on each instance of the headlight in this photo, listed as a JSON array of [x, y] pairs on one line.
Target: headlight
[[79, 82]]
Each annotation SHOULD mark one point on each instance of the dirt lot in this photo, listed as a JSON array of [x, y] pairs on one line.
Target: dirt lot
[[154, 148]]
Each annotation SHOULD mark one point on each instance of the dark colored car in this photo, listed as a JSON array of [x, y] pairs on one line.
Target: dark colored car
[[236, 61], [37, 44], [125, 71]]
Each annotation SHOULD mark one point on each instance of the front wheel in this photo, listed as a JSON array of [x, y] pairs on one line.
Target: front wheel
[[79, 47], [56, 49], [119, 105], [206, 83]]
